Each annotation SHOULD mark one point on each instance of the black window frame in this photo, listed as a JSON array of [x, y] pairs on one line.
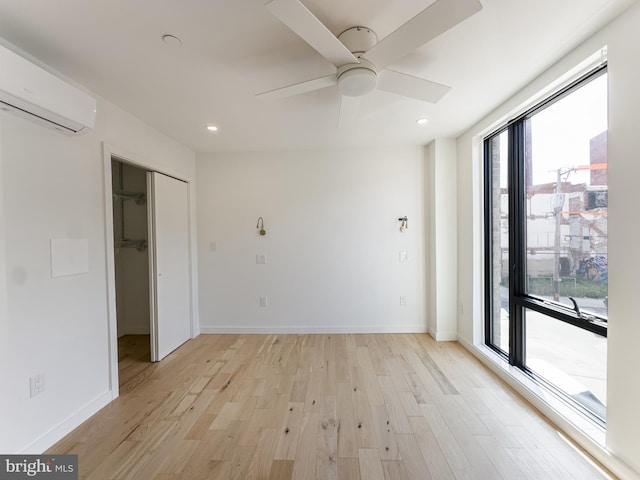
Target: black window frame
[[519, 300]]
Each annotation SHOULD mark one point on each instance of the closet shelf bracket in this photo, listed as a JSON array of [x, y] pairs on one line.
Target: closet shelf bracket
[[140, 245], [139, 198]]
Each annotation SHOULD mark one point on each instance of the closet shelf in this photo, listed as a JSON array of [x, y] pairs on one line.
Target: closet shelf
[[139, 198], [140, 245]]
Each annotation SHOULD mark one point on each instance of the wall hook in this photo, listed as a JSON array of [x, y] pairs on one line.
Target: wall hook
[[404, 225], [260, 225]]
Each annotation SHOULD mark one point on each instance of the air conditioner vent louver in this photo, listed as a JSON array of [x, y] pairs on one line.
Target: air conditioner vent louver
[[31, 92]]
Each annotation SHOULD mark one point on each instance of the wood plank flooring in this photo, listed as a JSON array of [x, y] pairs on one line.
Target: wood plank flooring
[[280, 407]]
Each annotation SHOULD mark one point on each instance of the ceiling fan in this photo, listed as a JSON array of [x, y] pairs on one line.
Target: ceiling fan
[[361, 60]]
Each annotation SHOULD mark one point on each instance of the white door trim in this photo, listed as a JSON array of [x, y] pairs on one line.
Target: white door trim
[[151, 249], [109, 151]]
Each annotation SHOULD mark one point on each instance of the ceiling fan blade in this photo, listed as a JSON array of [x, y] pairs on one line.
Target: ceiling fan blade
[[410, 86], [302, 87], [428, 24], [349, 109], [304, 23]]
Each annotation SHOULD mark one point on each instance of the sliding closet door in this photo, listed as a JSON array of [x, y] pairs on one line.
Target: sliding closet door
[[169, 252]]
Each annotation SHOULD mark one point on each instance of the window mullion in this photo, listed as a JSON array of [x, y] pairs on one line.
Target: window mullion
[[517, 242], [488, 213]]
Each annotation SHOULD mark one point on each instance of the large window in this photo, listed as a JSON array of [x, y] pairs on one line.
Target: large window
[[546, 242]]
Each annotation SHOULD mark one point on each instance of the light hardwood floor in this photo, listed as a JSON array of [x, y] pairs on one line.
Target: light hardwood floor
[[370, 407]]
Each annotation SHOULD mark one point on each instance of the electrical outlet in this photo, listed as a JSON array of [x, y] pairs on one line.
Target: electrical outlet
[[404, 256], [261, 258], [403, 301], [36, 384], [213, 246], [263, 301]]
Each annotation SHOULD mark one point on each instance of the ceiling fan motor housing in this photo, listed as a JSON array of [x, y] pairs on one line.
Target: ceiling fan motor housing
[[357, 79], [358, 39]]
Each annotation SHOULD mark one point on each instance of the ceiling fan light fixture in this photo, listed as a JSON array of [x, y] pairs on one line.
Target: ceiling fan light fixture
[[357, 80]]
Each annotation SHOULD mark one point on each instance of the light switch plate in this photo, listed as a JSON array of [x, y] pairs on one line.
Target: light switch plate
[[404, 256], [261, 258]]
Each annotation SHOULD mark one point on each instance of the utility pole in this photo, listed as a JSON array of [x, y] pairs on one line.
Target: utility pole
[[559, 202]]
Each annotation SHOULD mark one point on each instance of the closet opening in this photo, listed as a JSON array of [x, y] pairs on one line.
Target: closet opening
[[131, 259]]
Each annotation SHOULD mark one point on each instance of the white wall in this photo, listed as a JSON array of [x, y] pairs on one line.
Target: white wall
[[52, 186], [623, 396], [623, 393], [332, 243], [443, 269], [5, 356]]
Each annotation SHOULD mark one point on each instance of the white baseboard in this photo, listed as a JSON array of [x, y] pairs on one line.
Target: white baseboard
[[66, 426], [235, 329], [444, 336]]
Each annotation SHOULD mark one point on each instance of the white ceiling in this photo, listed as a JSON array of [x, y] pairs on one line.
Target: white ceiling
[[233, 49]]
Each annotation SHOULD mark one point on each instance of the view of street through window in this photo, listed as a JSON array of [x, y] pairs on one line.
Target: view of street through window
[[565, 233]]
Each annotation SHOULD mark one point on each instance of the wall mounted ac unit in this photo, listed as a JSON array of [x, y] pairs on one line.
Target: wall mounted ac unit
[[30, 91]]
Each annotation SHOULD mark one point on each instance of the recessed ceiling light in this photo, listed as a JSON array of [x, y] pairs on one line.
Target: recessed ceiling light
[[422, 121], [212, 128], [171, 41]]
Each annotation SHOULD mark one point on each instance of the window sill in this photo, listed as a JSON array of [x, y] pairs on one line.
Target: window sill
[[537, 393], [570, 422]]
